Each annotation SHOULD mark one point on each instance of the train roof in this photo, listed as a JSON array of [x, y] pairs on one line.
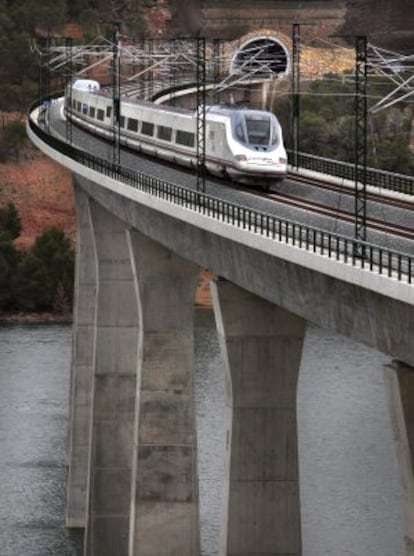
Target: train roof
[[229, 109], [86, 85], [218, 110]]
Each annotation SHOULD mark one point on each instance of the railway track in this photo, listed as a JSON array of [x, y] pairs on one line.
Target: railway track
[[319, 208], [399, 230], [323, 209], [398, 202]]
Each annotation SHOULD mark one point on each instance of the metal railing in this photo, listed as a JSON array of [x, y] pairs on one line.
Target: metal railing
[[393, 264], [400, 183]]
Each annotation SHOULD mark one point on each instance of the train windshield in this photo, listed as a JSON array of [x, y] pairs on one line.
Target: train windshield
[[256, 128]]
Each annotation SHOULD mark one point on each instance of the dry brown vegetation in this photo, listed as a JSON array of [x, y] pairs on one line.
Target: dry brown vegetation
[[42, 192]]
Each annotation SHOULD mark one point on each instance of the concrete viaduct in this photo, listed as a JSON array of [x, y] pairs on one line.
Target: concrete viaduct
[[133, 481]]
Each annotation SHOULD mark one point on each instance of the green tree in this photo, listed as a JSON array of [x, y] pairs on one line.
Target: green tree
[[327, 123], [393, 154], [53, 249], [10, 228], [10, 222], [314, 132], [40, 279], [50, 14], [9, 259], [12, 139], [31, 285], [43, 280]]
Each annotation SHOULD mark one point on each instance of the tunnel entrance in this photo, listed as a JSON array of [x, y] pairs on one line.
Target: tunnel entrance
[[261, 57]]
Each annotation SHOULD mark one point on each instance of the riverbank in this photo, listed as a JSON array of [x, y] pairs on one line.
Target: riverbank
[[32, 318], [203, 301]]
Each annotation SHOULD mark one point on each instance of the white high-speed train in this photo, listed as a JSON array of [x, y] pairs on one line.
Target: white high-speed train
[[246, 145]]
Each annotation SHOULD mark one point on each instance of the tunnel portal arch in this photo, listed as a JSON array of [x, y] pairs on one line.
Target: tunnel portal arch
[[262, 56]]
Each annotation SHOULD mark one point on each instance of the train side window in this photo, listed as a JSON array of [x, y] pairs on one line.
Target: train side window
[[92, 111], [275, 138], [108, 111], [185, 138], [240, 133], [100, 115], [74, 104], [132, 124], [78, 106], [84, 108], [147, 128], [164, 132], [122, 121], [274, 134]]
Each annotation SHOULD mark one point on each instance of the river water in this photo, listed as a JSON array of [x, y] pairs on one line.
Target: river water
[[350, 492]]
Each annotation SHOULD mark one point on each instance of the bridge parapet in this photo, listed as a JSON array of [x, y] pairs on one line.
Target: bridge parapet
[[377, 260]]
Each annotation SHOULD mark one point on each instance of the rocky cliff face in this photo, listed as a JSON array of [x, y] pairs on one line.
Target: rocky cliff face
[[387, 23], [186, 17]]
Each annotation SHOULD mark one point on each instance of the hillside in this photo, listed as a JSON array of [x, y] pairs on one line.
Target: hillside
[[386, 23], [42, 190], [42, 193]]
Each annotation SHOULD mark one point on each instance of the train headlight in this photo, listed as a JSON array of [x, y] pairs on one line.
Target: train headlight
[[241, 157], [282, 160]]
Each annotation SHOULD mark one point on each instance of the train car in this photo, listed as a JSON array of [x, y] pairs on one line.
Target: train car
[[245, 145]]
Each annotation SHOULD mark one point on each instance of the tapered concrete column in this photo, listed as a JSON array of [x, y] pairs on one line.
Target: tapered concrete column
[[83, 356], [261, 347], [400, 381], [114, 390], [164, 507]]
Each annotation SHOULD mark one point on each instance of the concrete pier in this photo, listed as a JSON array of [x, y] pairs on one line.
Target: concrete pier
[[261, 347], [400, 380], [114, 390], [164, 504], [83, 363], [133, 480]]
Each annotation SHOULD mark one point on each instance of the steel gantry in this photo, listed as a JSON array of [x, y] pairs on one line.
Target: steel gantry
[[398, 70], [144, 68], [116, 95], [68, 91], [361, 138], [166, 62], [201, 113], [295, 90], [150, 65]]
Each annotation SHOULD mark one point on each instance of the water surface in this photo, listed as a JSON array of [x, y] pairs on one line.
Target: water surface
[[34, 387], [350, 492]]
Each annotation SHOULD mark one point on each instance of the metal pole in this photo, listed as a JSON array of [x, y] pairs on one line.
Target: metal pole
[[116, 96], [47, 99], [150, 43], [361, 140], [295, 90], [201, 113], [69, 84], [217, 44], [173, 71]]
